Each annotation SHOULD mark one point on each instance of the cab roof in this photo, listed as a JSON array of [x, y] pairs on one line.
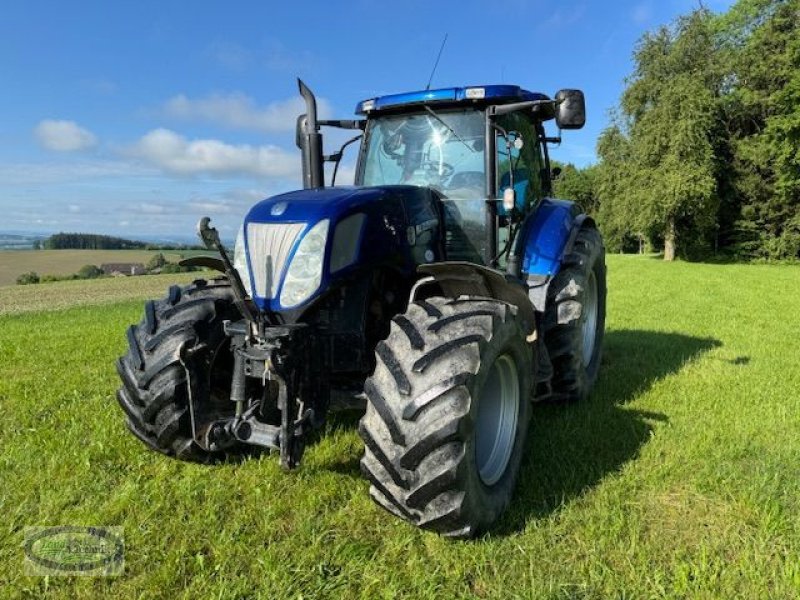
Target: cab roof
[[474, 94]]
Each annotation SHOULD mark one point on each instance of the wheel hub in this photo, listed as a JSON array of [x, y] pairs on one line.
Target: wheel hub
[[496, 429], [590, 319]]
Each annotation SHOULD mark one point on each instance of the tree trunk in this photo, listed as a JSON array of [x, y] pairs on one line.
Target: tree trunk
[[669, 240]]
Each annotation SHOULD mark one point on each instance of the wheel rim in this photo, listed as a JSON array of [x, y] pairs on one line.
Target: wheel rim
[[590, 321], [496, 429]]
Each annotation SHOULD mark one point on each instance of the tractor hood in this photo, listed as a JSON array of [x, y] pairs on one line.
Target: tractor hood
[[295, 246], [312, 205]]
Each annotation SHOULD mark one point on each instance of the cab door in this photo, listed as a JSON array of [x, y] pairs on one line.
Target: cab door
[[519, 154], [519, 163]]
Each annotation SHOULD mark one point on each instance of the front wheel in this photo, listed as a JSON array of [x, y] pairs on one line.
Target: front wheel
[[575, 317], [447, 414], [154, 394]]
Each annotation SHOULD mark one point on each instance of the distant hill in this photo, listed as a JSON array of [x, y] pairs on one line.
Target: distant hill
[[19, 241], [23, 240]]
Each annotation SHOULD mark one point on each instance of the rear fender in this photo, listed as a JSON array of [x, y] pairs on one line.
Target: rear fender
[[454, 279]]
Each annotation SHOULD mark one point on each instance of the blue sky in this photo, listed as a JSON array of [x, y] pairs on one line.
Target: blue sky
[[137, 118]]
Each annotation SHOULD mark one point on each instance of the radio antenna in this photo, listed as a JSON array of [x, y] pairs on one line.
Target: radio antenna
[[436, 64]]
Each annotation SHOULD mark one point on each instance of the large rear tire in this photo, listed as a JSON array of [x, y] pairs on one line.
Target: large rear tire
[[447, 414], [575, 317], [154, 393]]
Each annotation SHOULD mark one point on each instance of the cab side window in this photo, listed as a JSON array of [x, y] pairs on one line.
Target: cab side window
[[519, 153]]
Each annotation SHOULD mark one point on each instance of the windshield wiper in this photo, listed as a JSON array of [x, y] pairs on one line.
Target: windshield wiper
[[450, 129]]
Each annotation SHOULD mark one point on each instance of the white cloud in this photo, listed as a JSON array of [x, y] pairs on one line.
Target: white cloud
[[74, 208], [239, 111], [210, 207], [175, 154], [69, 171], [154, 209], [245, 195], [64, 136], [234, 201]]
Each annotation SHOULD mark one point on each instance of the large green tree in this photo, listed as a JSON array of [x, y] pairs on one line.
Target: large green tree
[[670, 112], [759, 41], [578, 185], [705, 149], [617, 211]]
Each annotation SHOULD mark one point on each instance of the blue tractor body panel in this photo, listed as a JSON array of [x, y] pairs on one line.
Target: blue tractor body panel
[[545, 235], [383, 239], [495, 94]]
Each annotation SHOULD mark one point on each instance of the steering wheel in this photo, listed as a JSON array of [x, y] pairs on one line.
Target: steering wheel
[[434, 168]]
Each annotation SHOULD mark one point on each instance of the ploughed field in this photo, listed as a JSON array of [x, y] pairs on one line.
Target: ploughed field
[[680, 476], [14, 263]]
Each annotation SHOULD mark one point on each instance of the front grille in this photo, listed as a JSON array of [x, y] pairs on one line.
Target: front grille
[[269, 245]]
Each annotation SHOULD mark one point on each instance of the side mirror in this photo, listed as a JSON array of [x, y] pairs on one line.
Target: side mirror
[[555, 173], [570, 109]]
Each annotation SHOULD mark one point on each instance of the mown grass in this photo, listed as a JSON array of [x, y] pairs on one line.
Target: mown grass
[[678, 478]]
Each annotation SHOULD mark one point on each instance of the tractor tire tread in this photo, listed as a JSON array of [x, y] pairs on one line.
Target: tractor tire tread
[[418, 410], [154, 393], [563, 324]]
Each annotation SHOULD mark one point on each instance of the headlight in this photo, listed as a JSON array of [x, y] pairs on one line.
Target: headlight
[[305, 271], [240, 261]]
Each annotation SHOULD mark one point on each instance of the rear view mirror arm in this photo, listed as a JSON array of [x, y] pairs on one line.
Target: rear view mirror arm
[[504, 109]]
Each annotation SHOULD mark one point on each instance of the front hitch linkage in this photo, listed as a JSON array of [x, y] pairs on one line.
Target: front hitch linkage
[[210, 238], [276, 354]]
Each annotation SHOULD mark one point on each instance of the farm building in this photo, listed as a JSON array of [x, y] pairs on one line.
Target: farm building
[[123, 268]]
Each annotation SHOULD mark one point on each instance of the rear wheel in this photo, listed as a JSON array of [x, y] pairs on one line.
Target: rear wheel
[[154, 393], [575, 316], [447, 414]]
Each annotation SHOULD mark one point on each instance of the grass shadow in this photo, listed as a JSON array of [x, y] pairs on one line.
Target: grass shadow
[[572, 447], [350, 466], [344, 419], [347, 464]]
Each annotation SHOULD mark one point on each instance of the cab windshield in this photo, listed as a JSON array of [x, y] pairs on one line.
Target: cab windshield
[[443, 150]]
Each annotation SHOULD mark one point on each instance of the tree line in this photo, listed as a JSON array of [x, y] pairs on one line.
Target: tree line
[[702, 156], [89, 241], [93, 241]]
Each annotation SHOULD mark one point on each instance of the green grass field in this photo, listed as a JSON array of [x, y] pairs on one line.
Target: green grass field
[[679, 477], [66, 262]]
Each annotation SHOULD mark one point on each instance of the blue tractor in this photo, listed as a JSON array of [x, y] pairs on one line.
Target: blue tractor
[[443, 292]]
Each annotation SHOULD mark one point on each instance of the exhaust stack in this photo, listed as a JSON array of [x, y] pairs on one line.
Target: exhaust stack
[[309, 140]]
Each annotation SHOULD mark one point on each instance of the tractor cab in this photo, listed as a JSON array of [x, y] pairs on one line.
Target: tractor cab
[[439, 139], [482, 149]]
